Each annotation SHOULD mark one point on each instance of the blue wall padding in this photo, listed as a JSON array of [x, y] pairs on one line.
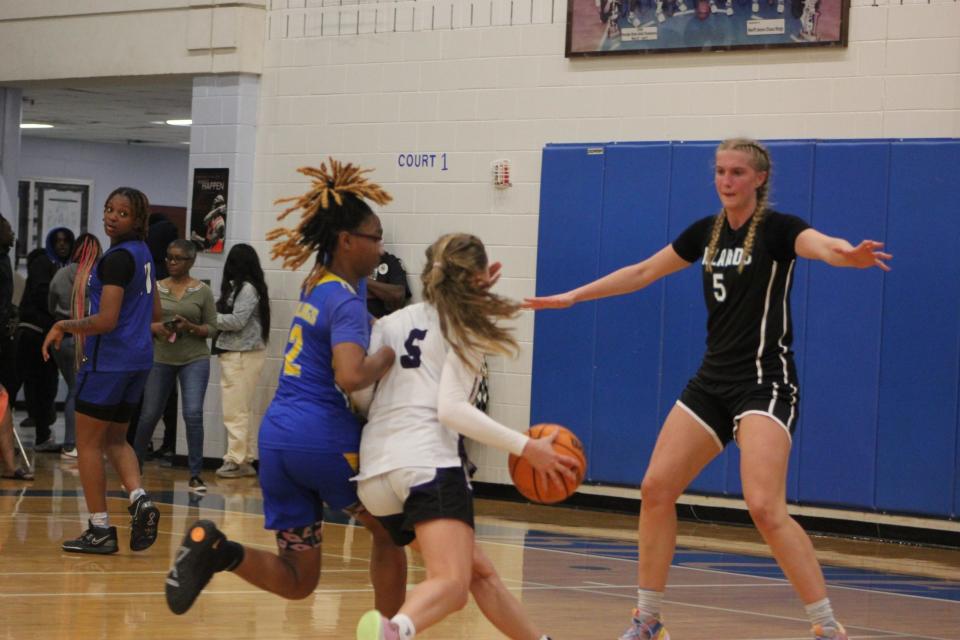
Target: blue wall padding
[[838, 440], [919, 358], [626, 384], [567, 367], [878, 354]]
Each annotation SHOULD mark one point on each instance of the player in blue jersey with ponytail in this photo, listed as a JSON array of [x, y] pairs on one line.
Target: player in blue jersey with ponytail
[[117, 350], [310, 437]]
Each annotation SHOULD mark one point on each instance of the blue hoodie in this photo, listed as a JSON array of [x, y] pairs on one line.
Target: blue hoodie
[[42, 264]]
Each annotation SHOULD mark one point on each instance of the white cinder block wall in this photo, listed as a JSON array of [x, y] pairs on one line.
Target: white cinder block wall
[[331, 86], [223, 135]]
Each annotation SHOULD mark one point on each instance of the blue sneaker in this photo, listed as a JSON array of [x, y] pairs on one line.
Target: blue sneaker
[[648, 628]]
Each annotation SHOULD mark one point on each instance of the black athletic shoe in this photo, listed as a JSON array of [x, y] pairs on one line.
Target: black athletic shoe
[[102, 540], [143, 524], [193, 565]]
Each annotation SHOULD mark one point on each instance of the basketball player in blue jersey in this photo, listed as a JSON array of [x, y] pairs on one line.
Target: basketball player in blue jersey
[[310, 437], [117, 357], [746, 389]]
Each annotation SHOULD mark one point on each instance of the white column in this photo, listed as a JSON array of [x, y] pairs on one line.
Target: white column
[[223, 135], [10, 110]]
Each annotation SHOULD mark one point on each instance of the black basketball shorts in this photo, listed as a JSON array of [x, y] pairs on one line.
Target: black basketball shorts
[[403, 498], [719, 406]]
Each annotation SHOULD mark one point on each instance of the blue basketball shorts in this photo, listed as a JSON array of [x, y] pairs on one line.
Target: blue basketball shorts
[[297, 484], [110, 396]]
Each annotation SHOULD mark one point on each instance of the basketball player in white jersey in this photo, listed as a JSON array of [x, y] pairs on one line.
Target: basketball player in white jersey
[[412, 476], [747, 387]]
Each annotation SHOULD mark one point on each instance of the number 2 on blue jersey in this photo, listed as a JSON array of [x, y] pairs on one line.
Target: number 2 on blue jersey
[[295, 346]]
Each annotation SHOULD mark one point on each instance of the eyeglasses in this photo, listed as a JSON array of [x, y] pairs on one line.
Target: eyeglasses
[[176, 259], [369, 236]]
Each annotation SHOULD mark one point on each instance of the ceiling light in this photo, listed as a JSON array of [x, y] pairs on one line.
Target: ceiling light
[[180, 123], [35, 125]]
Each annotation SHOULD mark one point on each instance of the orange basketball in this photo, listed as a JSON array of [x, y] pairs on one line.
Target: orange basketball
[[542, 491]]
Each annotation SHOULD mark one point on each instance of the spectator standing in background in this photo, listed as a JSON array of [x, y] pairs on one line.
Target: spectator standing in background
[[64, 305], [40, 377], [160, 233], [8, 315], [180, 352], [387, 288], [243, 319]]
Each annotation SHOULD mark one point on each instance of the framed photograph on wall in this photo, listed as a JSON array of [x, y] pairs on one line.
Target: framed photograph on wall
[[208, 211], [605, 27]]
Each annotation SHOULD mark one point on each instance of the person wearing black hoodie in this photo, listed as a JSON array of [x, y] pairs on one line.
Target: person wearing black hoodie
[[8, 369], [41, 378]]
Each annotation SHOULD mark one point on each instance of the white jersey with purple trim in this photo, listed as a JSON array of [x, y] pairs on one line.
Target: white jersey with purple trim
[[424, 402], [403, 428]]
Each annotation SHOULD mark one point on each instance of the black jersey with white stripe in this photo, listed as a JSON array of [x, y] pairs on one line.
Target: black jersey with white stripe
[[749, 329]]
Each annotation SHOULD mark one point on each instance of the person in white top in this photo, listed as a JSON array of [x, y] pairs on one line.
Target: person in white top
[[411, 476]]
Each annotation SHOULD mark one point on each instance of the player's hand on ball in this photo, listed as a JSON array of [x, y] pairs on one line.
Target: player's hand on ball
[[551, 465]]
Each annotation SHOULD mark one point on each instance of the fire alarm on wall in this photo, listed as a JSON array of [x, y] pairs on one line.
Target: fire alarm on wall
[[501, 173]]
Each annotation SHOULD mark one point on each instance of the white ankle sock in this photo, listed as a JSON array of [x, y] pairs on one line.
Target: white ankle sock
[[649, 603], [101, 519], [136, 493], [405, 626], [820, 612]]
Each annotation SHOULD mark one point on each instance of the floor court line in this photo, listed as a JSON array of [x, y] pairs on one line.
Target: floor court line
[[596, 548], [728, 573], [884, 632], [123, 573], [514, 545]]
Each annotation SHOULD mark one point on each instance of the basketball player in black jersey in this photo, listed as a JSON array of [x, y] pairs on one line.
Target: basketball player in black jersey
[[746, 388]]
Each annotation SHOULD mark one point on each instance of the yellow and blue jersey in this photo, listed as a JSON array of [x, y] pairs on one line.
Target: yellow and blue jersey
[[309, 411]]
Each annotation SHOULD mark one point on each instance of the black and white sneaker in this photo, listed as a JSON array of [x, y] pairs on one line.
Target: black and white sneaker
[[197, 485], [101, 540], [193, 565], [143, 523]]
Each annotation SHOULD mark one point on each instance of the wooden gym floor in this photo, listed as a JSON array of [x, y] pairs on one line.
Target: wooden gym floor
[[573, 570]]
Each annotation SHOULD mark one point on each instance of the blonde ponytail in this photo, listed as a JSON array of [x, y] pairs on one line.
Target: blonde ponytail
[[454, 282]]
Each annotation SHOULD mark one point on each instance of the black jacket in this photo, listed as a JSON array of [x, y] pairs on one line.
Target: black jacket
[[42, 264], [6, 292], [160, 234]]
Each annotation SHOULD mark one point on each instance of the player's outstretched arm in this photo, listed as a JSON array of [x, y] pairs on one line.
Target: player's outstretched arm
[[626, 280], [455, 411], [838, 252]]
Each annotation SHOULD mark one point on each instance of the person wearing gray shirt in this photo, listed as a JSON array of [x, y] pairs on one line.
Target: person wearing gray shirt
[[243, 320]]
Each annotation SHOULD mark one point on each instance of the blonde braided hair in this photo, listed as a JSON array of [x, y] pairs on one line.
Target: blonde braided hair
[[453, 283], [760, 161], [334, 203]]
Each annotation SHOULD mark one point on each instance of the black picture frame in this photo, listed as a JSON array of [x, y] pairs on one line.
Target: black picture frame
[[208, 210], [623, 27]]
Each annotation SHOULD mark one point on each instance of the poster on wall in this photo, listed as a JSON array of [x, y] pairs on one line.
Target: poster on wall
[[603, 27], [208, 211]]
